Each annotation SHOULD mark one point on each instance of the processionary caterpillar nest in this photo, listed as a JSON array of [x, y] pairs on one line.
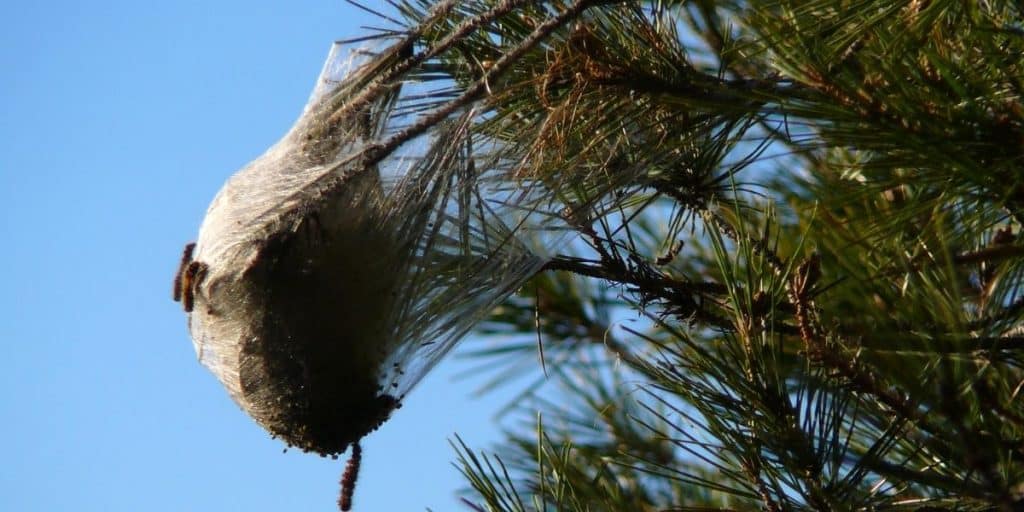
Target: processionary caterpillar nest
[[325, 283]]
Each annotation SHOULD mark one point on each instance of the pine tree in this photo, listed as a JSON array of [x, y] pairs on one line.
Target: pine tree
[[797, 279]]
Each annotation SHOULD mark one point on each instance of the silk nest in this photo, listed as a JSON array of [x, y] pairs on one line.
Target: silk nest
[[332, 272]]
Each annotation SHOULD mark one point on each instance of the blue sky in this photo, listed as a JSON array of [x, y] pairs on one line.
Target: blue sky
[[118, 123]]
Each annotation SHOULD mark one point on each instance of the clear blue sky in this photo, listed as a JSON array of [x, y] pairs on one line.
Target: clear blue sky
[[118, 123]]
